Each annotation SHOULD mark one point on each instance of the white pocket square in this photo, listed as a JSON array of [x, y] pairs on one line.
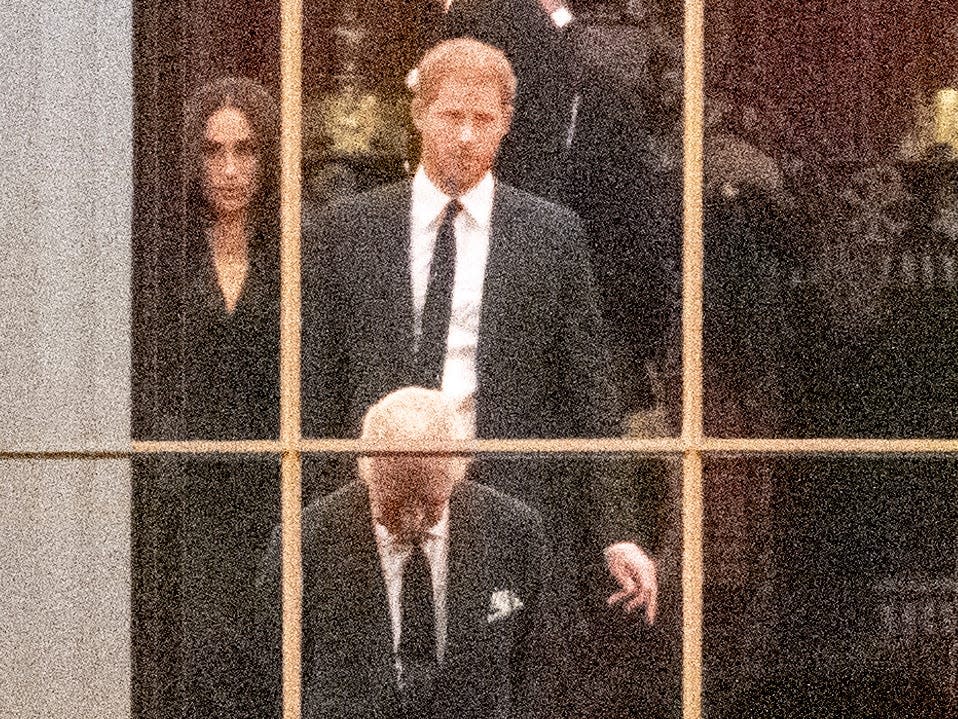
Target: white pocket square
[[502, 604]]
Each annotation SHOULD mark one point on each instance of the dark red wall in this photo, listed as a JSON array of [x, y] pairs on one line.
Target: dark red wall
[[843, 73]]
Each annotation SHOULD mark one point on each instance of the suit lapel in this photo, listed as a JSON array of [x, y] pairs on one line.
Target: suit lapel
[[401, 243], [391, 256], [502, 303], [468, 573], [382, 320], [497, 281], [362, 574]]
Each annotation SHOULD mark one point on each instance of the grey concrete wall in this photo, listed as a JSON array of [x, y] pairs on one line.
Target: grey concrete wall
[[65, 196], [64, 589]]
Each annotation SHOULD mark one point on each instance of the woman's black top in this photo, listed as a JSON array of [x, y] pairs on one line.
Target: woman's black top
[[229, 384]]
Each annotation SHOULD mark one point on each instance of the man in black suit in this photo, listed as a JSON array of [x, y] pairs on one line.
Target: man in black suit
[[457, 280], [580, 136], [424, 594]]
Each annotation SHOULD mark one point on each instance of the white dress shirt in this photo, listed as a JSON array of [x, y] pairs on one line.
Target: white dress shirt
[[393, 556], [472, 229]]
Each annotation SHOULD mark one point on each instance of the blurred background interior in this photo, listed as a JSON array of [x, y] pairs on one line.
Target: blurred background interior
[[831, 288]]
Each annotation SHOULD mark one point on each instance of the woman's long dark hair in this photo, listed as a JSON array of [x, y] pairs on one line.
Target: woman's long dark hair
[[260, 110]]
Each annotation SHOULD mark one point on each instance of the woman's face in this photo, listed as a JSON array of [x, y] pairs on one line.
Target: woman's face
[[230, 162]]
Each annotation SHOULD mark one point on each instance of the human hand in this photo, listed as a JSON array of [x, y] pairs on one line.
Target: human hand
[[635, 573]]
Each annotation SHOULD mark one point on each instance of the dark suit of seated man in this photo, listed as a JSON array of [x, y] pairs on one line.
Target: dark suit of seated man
[[424, 594]]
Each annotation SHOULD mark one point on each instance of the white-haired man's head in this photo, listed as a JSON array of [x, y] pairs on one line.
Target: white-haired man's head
[[408, 492]]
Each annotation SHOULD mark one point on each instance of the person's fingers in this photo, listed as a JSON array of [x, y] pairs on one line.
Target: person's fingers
[[652, 606], [627, 587], [640, 599], [646, 595], [652, 586], [638, 586]]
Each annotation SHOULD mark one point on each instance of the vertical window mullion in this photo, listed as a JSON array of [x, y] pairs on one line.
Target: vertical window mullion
[[692, 581], [692, 401], [291, 26]]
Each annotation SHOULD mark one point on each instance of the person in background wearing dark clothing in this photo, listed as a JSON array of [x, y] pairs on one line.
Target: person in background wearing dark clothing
[[230, 321], [202, 524], [625, 183]]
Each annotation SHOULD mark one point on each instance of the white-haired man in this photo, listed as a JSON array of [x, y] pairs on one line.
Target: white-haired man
[[424, 594]]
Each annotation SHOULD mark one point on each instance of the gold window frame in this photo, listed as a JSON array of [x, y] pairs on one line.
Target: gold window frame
[[691, 444]]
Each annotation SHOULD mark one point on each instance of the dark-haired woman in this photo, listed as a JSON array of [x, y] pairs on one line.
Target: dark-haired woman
[[230, 318], [200, 524]]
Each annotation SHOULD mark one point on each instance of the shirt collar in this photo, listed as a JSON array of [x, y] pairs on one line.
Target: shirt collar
[[428, 201], [440, 530]]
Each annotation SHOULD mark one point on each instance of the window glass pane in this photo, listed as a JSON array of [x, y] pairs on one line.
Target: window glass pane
[[829, 586], [64, 226], [563, 319], [65, 605], [206, 240], [579, 653], [201, 527], [829, 219]]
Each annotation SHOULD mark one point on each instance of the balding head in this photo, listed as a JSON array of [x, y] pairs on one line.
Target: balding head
[[408, 493]]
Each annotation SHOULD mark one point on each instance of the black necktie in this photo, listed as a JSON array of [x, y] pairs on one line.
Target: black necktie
[[431, 354], [417, 638]]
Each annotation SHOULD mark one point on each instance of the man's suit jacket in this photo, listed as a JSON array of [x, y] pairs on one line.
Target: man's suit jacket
[[496, 664], [542, 363]]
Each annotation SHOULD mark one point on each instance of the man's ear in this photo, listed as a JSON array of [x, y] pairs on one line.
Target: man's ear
[[507, 122], [417, 111]]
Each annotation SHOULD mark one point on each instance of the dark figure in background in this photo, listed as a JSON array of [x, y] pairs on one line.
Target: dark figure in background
[[521, 348], [425, 595], [746, 338], [230, 320], [744, 348], [201, 524], [624, 179]]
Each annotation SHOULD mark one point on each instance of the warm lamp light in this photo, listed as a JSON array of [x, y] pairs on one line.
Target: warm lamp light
[[946, 117]]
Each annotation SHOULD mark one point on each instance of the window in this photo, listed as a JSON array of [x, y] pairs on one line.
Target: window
[[785, 366]]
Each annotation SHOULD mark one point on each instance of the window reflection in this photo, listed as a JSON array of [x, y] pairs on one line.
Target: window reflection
[[829, 587], [829, 196]]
